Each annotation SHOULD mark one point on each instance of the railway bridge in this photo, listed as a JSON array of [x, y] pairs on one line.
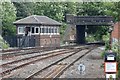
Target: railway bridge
[[81, 22]]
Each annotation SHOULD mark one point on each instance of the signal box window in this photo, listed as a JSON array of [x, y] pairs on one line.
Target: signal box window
[[20, 30], [32, 29]]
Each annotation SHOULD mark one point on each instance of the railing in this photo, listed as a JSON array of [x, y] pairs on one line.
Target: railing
[[20, 41]]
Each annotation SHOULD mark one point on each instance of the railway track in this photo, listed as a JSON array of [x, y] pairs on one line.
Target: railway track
[[19, 49], [33, 48], [26, 61], [57, 67], [6, 54], [27, 58], [22, 52]]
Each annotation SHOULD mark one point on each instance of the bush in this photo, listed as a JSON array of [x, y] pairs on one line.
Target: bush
[[103, 54], [90, 38], [114, 48], [3, 44], [107, 47], [118, 60]]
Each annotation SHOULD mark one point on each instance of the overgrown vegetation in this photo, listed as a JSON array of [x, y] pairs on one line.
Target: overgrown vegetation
[[118, 58], [114, 49], [90, 38], [11, 11], [56, 10], [8, 16], [3, 44]]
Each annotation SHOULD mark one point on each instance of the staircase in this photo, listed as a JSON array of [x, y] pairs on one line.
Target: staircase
[[69, 31], [25, 41]]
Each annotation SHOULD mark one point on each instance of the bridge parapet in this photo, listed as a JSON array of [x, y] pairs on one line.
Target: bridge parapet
[[89, 20]]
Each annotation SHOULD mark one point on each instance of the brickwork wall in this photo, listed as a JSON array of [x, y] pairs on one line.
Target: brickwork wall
[[116, 31], [48, 41]]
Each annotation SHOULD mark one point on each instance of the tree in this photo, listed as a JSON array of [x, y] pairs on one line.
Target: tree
[[9, 16], [117, 9], [1, 15], [24, 9], [58, 11], [90, 9], [53, 10], [110, 9], [97, 9]]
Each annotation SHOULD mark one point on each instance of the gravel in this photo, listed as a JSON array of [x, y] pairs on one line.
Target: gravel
[[25, 56], [92, 62], [93, 69], [30, 69]]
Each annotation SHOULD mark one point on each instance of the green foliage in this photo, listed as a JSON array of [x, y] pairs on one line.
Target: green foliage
[[106, 37], [52, 10], [91, 8], [97, 9], [24, 9], [9, 16], [100, 31], [118, 60], [117, 10], [90, 38], [107, 46], [115, 48], [57, 11], [1, 15], [62, 28], [103, 54], [98, 37], [3, 44]]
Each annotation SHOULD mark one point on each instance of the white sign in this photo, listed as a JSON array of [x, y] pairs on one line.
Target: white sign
[[111, 76], [110, 66], [81, 68], [111, 57]]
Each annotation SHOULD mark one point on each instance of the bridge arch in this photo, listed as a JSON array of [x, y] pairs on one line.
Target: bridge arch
[[82, 21]]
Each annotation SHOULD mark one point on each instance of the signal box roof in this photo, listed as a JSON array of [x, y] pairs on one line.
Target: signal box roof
[[36, 19]]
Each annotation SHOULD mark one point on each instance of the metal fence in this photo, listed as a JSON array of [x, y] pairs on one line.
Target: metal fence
[[20, 41], [11, 40]]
